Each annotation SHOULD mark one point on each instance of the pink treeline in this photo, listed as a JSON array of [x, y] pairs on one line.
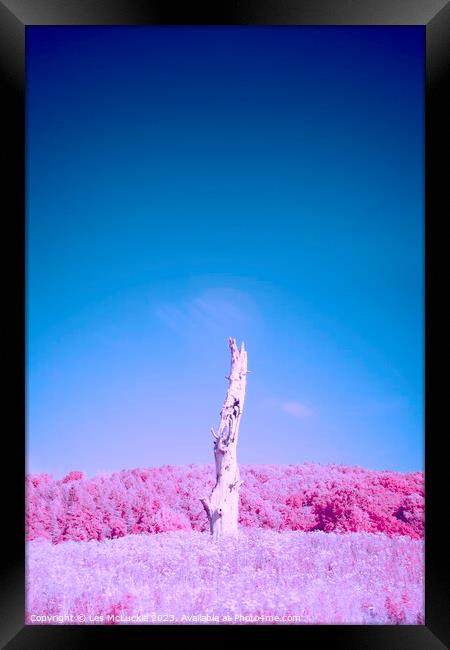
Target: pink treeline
[[308, 497]]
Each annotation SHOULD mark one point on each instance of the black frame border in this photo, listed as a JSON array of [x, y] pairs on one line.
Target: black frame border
[[434, 16]]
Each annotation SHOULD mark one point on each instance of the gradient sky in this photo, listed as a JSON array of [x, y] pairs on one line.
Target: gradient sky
[[187, 184]]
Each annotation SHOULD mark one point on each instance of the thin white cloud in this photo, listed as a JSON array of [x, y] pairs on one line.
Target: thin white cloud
[[208, 310], [296, 409], [170, 316]]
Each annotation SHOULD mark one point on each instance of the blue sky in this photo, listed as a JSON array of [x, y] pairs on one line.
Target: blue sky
[[188, 184]]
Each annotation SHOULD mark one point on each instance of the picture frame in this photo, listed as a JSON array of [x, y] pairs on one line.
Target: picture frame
[[15, 17]]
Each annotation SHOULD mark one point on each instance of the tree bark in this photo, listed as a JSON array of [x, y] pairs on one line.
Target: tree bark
[[223, 504]]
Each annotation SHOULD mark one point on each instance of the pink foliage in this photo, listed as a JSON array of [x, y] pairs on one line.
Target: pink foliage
[[314, 577], [309, 497], [73, 476]]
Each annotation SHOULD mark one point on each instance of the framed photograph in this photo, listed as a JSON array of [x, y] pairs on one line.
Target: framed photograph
[[224, 229]]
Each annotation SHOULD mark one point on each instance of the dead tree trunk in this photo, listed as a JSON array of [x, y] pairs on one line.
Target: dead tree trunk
[[222, 506]]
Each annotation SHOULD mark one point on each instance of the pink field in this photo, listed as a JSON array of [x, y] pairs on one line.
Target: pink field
[[317, 544]]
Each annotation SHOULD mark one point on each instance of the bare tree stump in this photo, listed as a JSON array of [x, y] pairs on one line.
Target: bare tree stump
[[222, 506]]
